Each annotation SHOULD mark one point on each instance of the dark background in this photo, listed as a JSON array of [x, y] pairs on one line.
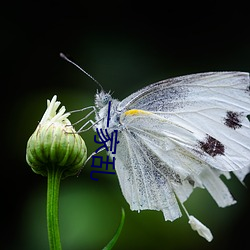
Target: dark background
[[125, 45]]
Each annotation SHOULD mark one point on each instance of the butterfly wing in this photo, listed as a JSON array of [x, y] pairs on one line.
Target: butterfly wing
[[181, 133], [139, 183]]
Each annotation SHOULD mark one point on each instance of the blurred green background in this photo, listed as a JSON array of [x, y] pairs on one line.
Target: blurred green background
[[125, 47]]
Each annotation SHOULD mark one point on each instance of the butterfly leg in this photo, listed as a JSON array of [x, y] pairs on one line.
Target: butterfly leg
[[83, 127], [86, 116]]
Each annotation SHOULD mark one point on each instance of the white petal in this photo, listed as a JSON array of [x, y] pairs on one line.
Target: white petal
[[50, 109], [200, 228], [51, 114]]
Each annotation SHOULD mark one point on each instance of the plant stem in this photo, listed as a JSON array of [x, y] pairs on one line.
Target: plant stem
[[54, 177]]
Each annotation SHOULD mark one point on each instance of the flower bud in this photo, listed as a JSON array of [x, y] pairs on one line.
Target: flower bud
[[55, 144]]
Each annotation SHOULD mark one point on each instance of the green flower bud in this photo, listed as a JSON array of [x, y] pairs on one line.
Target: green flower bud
[[55, 144]]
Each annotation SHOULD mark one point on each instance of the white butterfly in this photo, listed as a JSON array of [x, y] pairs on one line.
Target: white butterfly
[[178, 134]]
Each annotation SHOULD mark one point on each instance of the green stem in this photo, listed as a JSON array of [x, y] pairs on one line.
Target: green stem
[[54, 177], [117, 234]]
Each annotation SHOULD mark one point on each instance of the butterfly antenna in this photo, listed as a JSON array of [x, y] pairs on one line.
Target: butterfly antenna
[[68, 60]]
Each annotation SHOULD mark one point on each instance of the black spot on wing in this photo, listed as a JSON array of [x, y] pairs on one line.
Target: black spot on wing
[[233, 119], [212, 146]]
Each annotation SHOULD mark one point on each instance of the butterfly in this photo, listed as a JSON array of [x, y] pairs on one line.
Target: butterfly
[[179, 134], [176, 135]]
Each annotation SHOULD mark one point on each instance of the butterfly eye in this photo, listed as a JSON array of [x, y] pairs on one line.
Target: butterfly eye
[[106, 99]]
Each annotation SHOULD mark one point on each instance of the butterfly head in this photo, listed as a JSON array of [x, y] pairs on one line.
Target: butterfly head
[[102, 99]]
